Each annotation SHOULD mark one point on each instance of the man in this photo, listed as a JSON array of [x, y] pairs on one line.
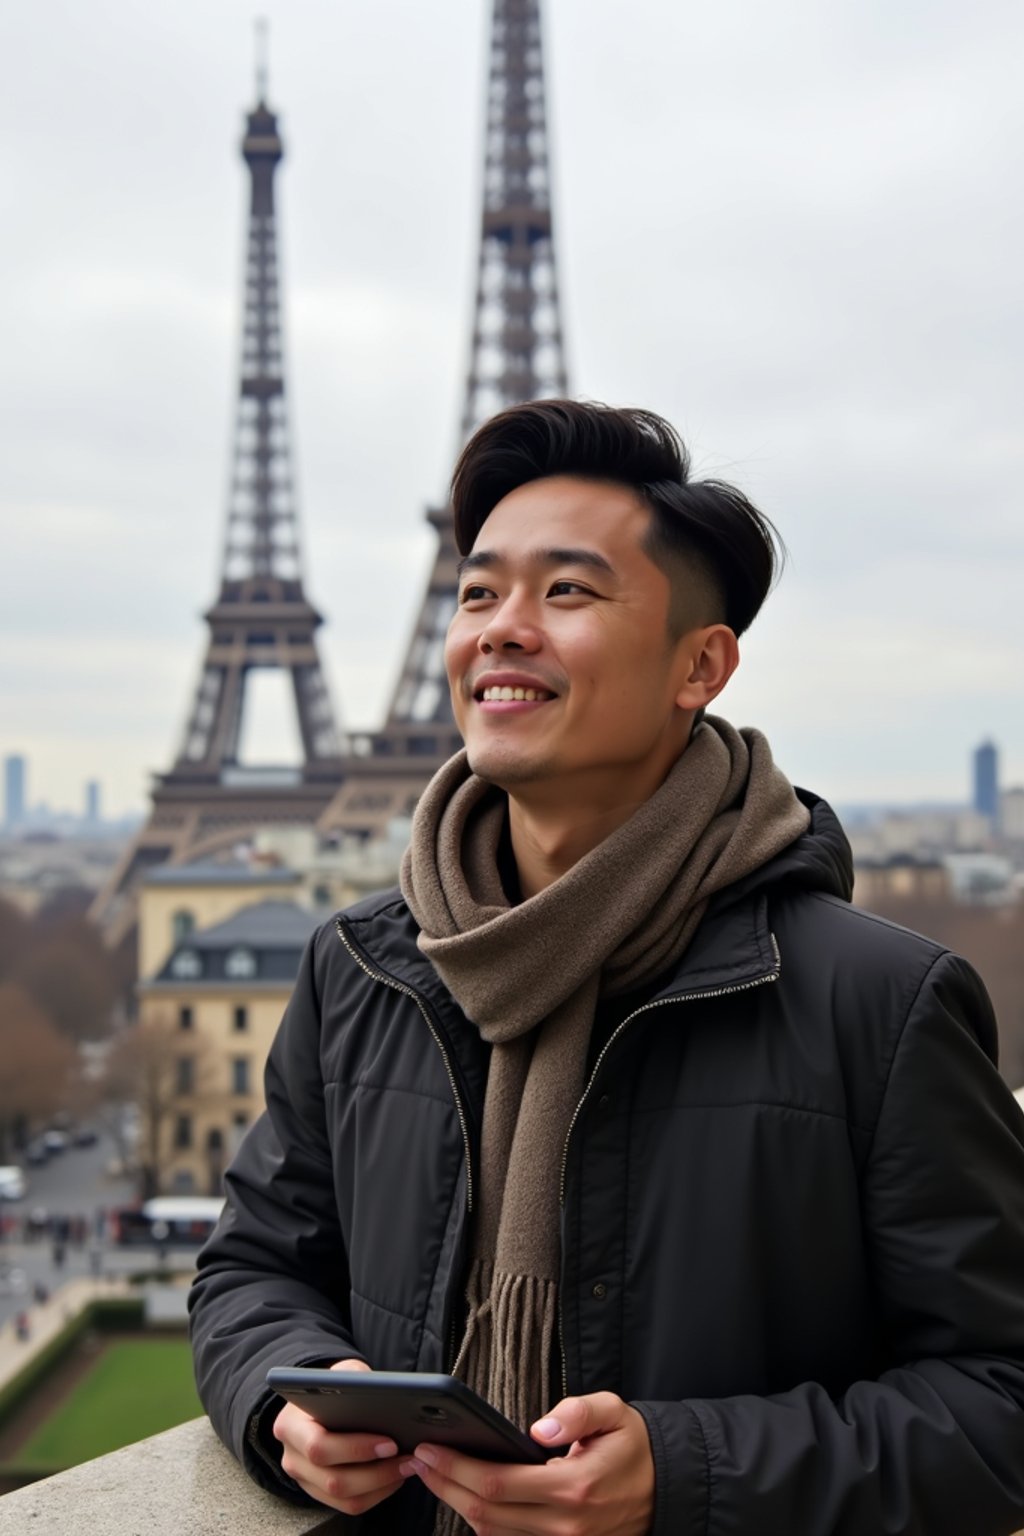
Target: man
[[617, 1108]]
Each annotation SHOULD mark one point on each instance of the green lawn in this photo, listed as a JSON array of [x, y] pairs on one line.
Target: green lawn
[[136, 1388]]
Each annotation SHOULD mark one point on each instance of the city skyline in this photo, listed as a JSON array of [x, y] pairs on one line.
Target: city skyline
[[812, 255]]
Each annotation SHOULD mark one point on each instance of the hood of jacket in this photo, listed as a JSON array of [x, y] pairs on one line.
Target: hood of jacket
[[818, 860]]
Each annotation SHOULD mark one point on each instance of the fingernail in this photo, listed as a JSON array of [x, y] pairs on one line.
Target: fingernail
[[547, 1428], [385, 1448], [427, 1455], [408, 1468]]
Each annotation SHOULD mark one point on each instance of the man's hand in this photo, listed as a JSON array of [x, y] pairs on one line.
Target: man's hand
[[603, 1485], [349, 1472]]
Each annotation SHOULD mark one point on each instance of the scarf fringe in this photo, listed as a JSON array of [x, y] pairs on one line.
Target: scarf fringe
[[506, 1352], [448, 1523]]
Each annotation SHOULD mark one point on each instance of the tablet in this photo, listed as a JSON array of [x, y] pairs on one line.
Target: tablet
[[410, 1408]]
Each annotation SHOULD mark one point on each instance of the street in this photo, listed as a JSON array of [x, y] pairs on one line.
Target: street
[[73, 1184]]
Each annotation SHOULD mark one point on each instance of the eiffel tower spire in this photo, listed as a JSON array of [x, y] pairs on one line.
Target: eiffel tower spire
[[517, 350], [516, 353], [261, 619]]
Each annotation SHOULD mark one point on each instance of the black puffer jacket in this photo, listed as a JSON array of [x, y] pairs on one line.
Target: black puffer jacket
[[793, 1221]]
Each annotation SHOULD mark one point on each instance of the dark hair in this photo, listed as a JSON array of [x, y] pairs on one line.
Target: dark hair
[[718, 550]]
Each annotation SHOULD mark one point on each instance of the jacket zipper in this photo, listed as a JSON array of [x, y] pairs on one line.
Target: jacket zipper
[[661, 1002], [407, 991]]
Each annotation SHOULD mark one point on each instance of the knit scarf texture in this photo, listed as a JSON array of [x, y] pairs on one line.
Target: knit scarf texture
[[529, 976]]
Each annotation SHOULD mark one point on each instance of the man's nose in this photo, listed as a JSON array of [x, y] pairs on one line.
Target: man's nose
[[511, 627]]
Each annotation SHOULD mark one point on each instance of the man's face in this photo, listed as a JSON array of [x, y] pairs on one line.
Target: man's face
[[560, 663]]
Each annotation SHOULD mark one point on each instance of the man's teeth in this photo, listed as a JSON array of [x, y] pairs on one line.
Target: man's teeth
[[507, 695]]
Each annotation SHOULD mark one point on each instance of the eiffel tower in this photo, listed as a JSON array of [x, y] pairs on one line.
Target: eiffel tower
[[261, 619], [516, 354]]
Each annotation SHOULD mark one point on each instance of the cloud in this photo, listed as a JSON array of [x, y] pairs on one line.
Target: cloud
[[792, 229]]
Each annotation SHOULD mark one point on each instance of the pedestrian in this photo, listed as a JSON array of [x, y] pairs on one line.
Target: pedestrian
[[617, 1108]]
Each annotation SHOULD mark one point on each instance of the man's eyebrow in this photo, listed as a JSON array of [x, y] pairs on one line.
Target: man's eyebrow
[[483, 559]]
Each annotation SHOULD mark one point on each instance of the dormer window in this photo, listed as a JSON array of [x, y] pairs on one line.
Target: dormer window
[[187, 965], [240, 964]]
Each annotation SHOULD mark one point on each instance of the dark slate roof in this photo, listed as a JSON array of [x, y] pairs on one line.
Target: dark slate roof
[[275, 932], [265, 924], [207, 872]]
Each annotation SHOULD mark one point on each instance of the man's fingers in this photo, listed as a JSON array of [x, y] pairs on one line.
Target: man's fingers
[[351, 1488], [323, 1447], [574, 1418]]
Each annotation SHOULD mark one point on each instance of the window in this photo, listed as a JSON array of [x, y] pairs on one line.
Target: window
[[240, 963], [241, 1019], [182, 924], [183, 1131], [240, 1075], [186, 1078], [186, 1018], [187, 965]]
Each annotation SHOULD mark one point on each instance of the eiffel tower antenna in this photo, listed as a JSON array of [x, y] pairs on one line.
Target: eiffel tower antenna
[[261, 619], [516, 353], [261, 27]]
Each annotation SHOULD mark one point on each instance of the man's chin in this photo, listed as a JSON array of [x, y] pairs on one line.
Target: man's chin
[[504, 769]]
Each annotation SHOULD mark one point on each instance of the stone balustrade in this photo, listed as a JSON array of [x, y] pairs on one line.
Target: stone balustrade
[[180, 1483]]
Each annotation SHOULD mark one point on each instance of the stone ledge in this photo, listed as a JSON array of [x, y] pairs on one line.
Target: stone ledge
[[180, 1483]]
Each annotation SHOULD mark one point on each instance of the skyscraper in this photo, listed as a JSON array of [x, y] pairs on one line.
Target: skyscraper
[[15, 770], [986, 780], [92, 801]]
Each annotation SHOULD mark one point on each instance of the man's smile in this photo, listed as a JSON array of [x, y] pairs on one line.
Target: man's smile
[[509, 688]]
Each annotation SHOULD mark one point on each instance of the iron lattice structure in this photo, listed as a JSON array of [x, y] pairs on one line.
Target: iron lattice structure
[[516, 353], [261, 618]]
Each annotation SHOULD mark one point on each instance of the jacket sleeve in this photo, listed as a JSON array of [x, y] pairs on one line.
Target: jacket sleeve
[[272, 1282], [935, 1445]]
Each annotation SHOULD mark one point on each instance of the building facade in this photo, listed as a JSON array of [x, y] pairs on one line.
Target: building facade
[[209, 1007]]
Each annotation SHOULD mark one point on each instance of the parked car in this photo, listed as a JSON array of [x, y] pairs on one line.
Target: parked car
[[13, 1184], [36, 1154], [55, 1141], [85, 1136]]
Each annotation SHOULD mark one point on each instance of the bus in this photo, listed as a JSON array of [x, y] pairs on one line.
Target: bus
[[172, 1221]]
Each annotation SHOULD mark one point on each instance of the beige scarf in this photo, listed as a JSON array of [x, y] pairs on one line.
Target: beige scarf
[[529, 977]]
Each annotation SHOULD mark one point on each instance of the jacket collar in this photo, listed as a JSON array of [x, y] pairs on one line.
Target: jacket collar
[[733, 948]]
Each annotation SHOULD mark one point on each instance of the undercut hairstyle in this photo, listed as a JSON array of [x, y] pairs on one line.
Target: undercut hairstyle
[[720, 554]]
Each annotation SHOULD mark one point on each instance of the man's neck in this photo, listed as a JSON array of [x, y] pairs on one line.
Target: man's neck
[[548, 841], [554, 823]]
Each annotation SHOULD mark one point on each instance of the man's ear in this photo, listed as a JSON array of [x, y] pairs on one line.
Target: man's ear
[[709, 656]]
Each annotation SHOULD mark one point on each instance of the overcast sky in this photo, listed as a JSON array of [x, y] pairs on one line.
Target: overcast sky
[[793, 228]]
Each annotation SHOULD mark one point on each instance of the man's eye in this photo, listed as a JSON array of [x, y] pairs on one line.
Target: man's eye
[[474, 594], [568, 589]]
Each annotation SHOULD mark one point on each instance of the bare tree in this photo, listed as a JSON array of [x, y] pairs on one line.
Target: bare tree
[[72, 978], [15, 929], [144, 1070], [38, 1064]]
